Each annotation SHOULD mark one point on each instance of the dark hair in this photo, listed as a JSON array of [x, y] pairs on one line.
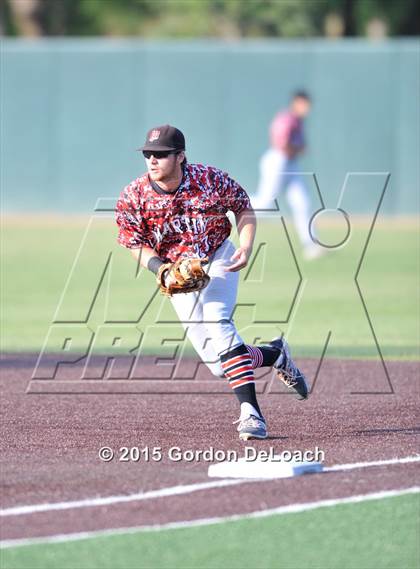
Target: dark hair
[[184, 162], [301, 94]]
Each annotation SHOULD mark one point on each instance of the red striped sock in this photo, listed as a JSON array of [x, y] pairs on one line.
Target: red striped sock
[[237, 367], [256, 356]]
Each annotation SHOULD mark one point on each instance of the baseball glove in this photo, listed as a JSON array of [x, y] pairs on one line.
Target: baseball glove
[[185, 275]]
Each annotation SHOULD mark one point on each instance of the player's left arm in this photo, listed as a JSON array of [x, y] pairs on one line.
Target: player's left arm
[[246, 223]]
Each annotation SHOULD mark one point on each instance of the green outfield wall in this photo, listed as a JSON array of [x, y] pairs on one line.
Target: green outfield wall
[[73, 111]]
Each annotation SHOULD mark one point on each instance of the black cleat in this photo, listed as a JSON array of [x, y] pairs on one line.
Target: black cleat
[[287, 371]]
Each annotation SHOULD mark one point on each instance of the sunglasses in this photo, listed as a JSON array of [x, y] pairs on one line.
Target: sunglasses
[[158, 153]]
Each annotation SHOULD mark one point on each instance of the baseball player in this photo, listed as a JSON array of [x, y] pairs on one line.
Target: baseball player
[[279, 169], [173, 218]]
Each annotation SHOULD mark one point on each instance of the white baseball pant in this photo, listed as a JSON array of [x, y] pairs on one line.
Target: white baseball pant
[[207, 315], [279, 173]]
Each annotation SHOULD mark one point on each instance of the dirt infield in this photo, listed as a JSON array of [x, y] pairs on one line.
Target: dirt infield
[[51, 441]]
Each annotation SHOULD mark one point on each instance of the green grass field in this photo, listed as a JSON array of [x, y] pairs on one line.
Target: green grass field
[[379, 534], [39, 253]]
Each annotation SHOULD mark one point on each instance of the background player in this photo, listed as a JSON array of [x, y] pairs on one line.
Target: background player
[[178, 210], [279, 169]]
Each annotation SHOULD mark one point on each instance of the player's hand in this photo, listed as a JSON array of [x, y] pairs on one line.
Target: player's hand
[[240, 259]]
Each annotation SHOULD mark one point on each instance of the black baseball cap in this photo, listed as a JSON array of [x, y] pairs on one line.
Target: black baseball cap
[[301, 94], [165, 137]]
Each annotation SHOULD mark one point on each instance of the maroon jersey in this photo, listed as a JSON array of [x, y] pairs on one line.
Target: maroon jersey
[[190, 222], [286, 130]]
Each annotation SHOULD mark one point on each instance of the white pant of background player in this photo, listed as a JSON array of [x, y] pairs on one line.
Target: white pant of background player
[[207, 315], [279, 173]]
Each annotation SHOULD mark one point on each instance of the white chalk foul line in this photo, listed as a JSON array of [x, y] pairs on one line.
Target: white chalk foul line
[[117, 499], [175, 490], [290, 509], [353, 465]]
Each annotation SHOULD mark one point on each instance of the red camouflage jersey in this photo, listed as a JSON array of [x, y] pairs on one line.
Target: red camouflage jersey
[[190, 222]]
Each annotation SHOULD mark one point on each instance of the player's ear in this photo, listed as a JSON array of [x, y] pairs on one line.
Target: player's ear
[[180, 157]]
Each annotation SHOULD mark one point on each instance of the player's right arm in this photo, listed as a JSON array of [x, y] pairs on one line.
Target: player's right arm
[[147, 257], [132, 232]]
